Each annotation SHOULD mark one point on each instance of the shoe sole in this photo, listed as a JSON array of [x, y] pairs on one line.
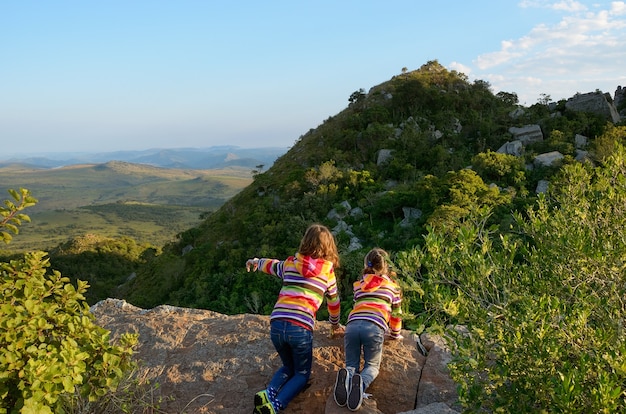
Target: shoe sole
[[341, 387], [355, 397]]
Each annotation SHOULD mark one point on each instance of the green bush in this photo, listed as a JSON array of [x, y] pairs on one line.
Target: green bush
[[542, 307], [11, 216], [50, 347]]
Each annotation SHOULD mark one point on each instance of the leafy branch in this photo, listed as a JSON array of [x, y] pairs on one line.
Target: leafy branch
[[11, 216]]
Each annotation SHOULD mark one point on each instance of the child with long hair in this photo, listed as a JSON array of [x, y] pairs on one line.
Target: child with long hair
[[307, 277], [376, 312]]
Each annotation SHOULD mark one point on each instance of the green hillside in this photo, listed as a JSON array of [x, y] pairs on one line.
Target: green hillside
[[433, 121], [528, 287]]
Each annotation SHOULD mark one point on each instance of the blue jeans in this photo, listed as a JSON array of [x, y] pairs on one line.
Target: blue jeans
[[361, 334], [294, 345]]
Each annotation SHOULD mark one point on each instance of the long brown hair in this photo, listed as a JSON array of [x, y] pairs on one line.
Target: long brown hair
[[319, 243], [375, 262]]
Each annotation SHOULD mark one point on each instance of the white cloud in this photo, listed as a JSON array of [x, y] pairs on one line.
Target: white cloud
[[459, 67], [582, 52], [569, 6], [618, 8], [565, 5]]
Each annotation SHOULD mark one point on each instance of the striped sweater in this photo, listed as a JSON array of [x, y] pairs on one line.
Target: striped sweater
[[377, 298], [305, 283]]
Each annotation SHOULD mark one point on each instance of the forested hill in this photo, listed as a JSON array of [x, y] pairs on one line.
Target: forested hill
[[417, 152]]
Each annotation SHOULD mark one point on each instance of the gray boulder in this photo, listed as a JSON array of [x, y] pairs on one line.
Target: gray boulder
[[580, 141], [594, 102], [542, 186], [527, 134], [410, 214], [384, 155], [512, 148], [548, 159]]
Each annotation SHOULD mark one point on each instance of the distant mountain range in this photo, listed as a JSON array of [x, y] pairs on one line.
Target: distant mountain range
[[215, 157]]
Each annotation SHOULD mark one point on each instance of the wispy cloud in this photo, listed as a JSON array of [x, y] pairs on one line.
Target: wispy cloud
[[618, 8], [586, 47], [570, 6]]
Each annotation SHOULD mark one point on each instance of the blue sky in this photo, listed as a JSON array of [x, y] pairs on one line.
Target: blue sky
[[87, 76]]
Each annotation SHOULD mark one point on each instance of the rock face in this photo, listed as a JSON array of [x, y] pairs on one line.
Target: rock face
[[620, 95], [206, 362], [595, 102]]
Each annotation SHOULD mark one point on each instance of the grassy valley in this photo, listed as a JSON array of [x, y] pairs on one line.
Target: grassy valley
[[149, 204]]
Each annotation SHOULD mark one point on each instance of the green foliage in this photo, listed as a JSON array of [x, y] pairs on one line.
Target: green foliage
[[542, 307], [604, 145], [457, 194], [10, 213], [574, 122], [50, 346], [155, 282], [508, 98], [441, 131], [502, 169], [357, 97], [454, 271], [105, 263]]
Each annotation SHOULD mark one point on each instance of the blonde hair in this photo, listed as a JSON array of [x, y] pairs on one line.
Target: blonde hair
[[319, 243], [375, 262]]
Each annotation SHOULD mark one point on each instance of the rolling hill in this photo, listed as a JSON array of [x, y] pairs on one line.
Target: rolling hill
[[150, 204], [216, 157]]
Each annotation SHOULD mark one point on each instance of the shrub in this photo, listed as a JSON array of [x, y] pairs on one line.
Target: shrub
[[11, 216], [543, 309], [50, 346]]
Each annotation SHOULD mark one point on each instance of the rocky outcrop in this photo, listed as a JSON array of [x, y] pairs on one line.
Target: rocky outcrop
[[542, 186], [512, 148], [527, 134], [580, 141], [410, 215], [619, 98], [206, 362], [384, 155], [594, 102], [548, 159]]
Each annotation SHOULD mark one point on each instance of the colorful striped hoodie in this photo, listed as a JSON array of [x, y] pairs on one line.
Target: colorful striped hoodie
[[305, 283], [377, 299]]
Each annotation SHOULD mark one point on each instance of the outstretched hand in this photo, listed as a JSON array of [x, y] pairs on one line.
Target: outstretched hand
[[254, 263]]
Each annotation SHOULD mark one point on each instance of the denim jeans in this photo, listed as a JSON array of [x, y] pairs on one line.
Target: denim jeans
[[366, 335], [294, 345]]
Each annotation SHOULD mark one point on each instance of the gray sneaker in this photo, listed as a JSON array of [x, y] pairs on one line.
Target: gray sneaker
[[355, 396], [341, 387]]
